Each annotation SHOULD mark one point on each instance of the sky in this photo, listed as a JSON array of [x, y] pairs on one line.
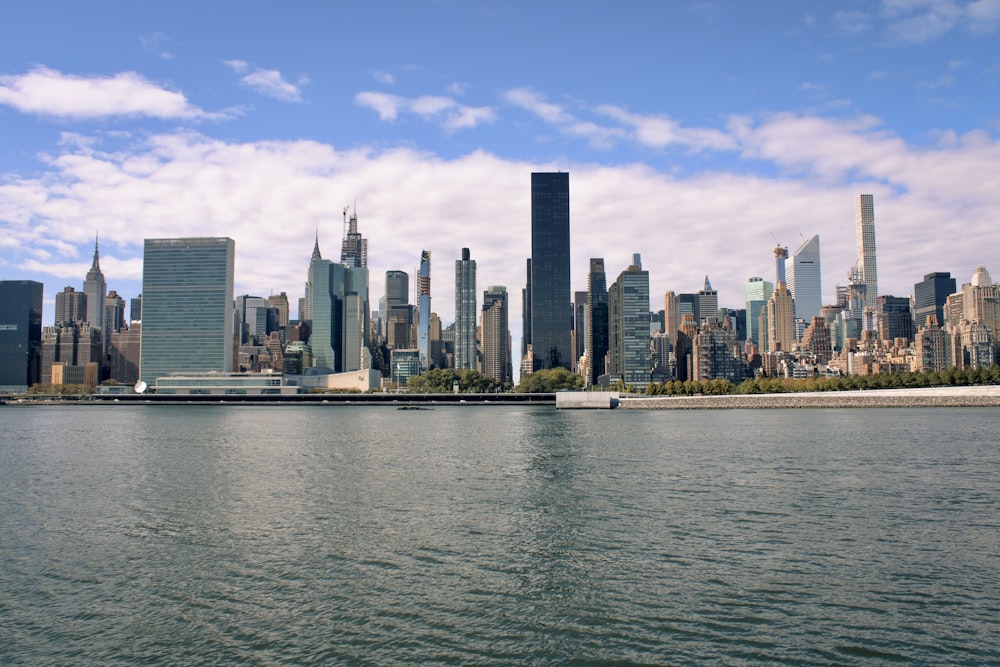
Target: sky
[[699, 134]]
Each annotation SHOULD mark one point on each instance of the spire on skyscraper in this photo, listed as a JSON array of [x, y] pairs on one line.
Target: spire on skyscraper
[[315, 254], [708, 285]]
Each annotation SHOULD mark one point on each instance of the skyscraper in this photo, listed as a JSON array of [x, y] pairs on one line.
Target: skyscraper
[[708, 303], [929, 296], [339, 308], [805, 281], [354, 249], [71, 306], [187, 288], [780, 255], [551, 310], [780, 313], [496, 335], [628, 326], [671, 315], [465, 312], [424, 309], [865, 222], [758, 291], [596, 323], [20, 334], [95, 288]]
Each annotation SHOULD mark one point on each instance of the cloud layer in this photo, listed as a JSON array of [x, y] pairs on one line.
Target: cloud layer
[[47, 92], [936, 208]]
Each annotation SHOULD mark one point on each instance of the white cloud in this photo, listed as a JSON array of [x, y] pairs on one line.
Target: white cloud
[[662, 131], [268, 82], [47, 92], [238, 66], [534, 102], [432, 108], [385, 78], [920, 21], [155, 43]]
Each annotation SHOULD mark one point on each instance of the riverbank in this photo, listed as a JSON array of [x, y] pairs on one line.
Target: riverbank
[[923, 397]]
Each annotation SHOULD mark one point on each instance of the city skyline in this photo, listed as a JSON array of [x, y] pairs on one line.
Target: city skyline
[[764, 126]]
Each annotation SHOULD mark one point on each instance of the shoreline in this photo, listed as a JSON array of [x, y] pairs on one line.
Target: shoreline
[[984, 396]]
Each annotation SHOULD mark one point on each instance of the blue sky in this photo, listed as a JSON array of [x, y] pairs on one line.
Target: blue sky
[[696, 133]]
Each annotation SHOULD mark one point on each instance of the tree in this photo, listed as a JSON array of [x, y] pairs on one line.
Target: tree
[[547, 381]]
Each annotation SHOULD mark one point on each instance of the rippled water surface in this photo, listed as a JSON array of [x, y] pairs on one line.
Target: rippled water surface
[[498, 535]]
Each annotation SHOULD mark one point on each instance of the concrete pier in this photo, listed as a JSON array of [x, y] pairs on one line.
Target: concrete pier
[[586, 400]]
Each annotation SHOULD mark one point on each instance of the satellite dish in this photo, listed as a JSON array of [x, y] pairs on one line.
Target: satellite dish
[[140, 387]]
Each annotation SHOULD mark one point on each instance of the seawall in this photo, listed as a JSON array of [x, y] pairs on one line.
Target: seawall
[[924, 397]]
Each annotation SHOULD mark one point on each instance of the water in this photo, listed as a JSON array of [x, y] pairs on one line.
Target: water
[[497, 535]]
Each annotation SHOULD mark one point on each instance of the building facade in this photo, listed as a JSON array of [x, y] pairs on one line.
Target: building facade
[[424, 310], [596, 321], [758, 291], [929, 296], [551, 310], [497, 362], [95, 288], [20, 335], [805, 280], [865, 233], [188, 318], [465, 312], [629, 355]]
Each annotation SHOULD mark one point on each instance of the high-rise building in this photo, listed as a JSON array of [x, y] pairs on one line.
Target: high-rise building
[[780, 255], [780, 313], [687, 304], [551, 310], [354, 249], [69, 351], [895, 320], [397, 288], [424, 309], [123, 354], [628, 326], [135, 309], [526, 317], [188, 319], [758, 291], [579, 328], [114, 315], [865, 223], [95, 288], [71, 306], [465, 312], [716, 353], [305, 304], [496, 335], [596, 321], [671, 315], [280, 303], [708, 303], [805, 281], [929, 296], [339, 307], [20, 335]]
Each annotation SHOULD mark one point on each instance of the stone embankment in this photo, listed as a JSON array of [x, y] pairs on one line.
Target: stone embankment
[[925, 397]]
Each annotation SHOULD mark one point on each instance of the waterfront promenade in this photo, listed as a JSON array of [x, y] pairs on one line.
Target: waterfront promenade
[[922, 397]]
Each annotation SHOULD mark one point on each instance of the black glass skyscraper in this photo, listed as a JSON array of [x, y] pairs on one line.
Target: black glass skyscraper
[[597, 319], [551, 306], [20, 334], [930, 295]]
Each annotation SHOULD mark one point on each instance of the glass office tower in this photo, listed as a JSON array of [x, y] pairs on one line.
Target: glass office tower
[[551, 306], [187, 307], [20, 335]]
